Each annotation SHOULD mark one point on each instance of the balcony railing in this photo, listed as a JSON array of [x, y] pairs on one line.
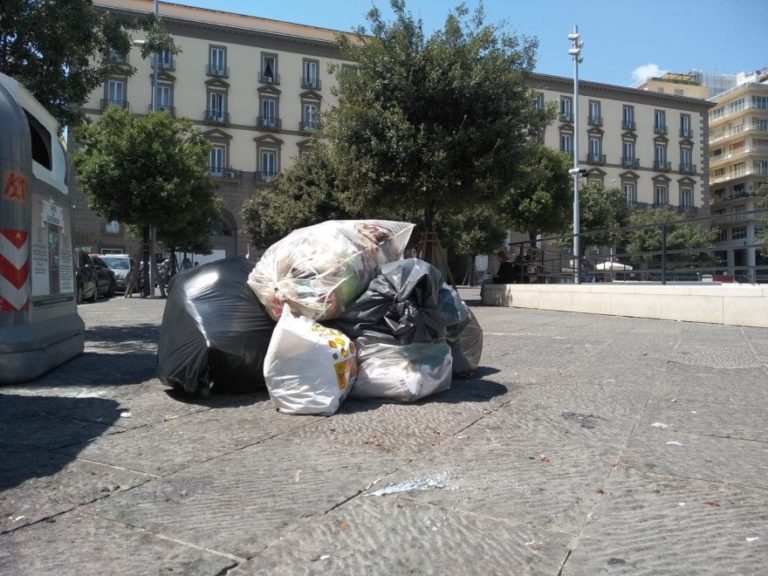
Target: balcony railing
[[107, 102], [566, 117], [216, 117], [596, 158], [310, 83], [167, 65], [662, 166], [264, 175], [629, 125], [217, 71], [630, 162], [686, 132], [163, 108], [269, 78], [687, 169], [659, 204], [309, 126], [220, 172], [269, 123], [658, 129], [595, 120]]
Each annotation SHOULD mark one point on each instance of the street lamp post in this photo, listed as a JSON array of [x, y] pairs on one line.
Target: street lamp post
[[153, 107], [575, 53]]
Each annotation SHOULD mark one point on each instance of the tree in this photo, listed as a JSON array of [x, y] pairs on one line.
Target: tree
[[430, 126], [540, 200], [304, 194], [656, 229], [604, 212], [146, 171], [59, 49]]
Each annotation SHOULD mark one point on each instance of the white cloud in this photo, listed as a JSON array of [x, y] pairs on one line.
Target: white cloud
[[642, 73]]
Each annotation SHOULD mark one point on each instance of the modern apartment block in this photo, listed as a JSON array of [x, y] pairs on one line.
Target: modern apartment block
[[738, 166], [652, 145], [255, 87]]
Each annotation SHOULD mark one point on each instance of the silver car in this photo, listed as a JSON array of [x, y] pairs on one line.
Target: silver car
[[121, 265]]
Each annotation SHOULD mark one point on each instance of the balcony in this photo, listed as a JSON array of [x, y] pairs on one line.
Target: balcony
[[659, 129], [163, 108], [662, 166], [596, 158], [269, 78], [269, 123], [107, 102], [217, 71], [567, 117], [630, 162], [686, 168], [225, 173], [686, 209], [309, 126], [686, 132], [167, 65], [310, 83], [629, 125], [659, 204], [118, 59], [216, 117], [595, 120], [264, 175]]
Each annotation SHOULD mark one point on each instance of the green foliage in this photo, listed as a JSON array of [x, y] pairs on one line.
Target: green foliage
[[540, 200], [59, 49], [645, 238], [603, 212], [146, 171], [475, 231], [432, 125], [304, 194], [763, 192]]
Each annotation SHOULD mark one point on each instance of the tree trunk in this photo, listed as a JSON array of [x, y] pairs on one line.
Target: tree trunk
[[145, 256]]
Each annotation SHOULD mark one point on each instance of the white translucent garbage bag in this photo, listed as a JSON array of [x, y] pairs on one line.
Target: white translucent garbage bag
[[402, 372], [321, 269], [308, 369]]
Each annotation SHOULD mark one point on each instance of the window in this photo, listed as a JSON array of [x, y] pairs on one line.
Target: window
[[686, 159], [686, 197], [112, 227], [660, 156], [717, 112], [538, 102], [761, 124], [685, 126], [163, 98], [565, 109], [660, 122], [566, 143], [269, 117], [217, 106], [659, 195], [165, 59], [217, 61], [596, 149], [628, 117], [761, 167], [595, 116], [630, 192], [216, 159], [760, 102], [738, 232], [116, 93], [736, 106], [311, 78], [269, 73], [309, 116], [268, 163], [722, 234], [628, 154]]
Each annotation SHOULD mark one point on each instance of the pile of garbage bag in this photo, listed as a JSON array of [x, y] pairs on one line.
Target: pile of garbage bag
[[334, 312]]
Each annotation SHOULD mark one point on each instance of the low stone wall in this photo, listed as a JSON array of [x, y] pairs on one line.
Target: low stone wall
[[733, 304]]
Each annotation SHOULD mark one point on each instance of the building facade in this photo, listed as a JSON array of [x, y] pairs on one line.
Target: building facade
[[738, 167], [651, 145], [255, 87]]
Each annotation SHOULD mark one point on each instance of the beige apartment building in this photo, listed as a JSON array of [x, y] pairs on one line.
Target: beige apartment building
[[738, 166], [652, 145], [255, 87]]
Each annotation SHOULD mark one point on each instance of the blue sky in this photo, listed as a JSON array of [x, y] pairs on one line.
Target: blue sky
[[624, 40]]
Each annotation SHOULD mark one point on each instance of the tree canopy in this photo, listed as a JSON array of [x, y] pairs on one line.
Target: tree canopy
[[431, 125], [59, 49], [147, 171], [604, 212]]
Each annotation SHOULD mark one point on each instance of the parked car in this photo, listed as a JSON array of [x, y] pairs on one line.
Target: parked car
[[93, 278], [121, 265]]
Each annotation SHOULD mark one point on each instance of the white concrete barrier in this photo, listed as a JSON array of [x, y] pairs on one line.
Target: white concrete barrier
[[733, 304]]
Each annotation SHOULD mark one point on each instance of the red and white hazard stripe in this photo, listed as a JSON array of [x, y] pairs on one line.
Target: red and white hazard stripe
[[14, 270]]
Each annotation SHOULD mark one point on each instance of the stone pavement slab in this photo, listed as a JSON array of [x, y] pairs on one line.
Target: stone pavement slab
[[583, 445]]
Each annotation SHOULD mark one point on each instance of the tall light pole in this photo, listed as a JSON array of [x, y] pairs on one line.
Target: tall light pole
[[153, 107], [575, 53]]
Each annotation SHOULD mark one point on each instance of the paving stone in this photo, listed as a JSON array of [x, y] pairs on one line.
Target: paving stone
[[239, 503], [652, 525], [409, 538], [76, 544]]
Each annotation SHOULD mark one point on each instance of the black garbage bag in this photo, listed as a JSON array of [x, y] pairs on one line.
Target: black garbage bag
[[214, 333], [407, 303], [466, 342]]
